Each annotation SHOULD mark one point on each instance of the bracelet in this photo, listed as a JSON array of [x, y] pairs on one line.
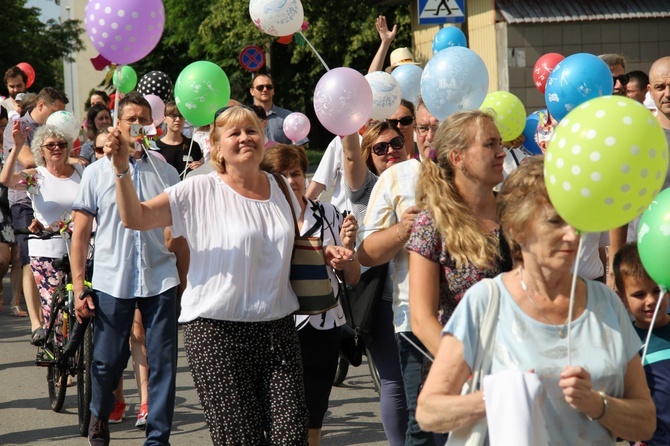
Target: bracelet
[[121, 175], [602, 414]]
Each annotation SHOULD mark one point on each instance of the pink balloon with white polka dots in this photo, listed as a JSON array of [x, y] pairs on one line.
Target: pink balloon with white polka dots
[[124, 31]]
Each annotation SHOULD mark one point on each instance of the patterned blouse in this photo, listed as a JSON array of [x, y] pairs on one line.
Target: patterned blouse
[[454, 282]]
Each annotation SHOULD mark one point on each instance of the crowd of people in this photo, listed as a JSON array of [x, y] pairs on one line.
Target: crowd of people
[[182, 228]]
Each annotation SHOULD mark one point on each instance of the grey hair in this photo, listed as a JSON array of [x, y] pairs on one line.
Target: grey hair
[[42, 134]]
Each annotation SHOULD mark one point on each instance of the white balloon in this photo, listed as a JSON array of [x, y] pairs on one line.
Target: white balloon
[[277, 17], [386, 94], [66, 123]]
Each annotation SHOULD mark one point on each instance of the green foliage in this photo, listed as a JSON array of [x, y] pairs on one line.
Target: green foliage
[[43, 45]]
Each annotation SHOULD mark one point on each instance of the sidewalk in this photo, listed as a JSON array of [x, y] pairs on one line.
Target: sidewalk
[[26, 418]]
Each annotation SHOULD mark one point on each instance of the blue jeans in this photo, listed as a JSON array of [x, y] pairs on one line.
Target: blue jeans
[[411, 361], [113, 321]]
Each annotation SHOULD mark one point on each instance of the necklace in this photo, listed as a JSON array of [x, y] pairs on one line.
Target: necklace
[[561, 330]]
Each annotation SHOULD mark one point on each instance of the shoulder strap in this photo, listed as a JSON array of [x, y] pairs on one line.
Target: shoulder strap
[[487, 330], [280, 181]]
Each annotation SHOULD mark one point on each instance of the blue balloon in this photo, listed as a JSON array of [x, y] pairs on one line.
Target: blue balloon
[[448, 36], [409, 78], [454, 80], [529, 131], [575, 80]]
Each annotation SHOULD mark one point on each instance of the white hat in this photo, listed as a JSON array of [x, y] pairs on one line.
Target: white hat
[[401, 56], [649, 102]]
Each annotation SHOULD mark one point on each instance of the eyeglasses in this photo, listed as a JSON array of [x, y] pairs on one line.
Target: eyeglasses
[[624, 79], [424, 129], [52, 145], [140, 120], [381, 148], [176, 116], [268, 87], [405, 120]]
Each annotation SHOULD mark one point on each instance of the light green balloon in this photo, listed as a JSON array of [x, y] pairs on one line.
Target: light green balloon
[[508, 112], [653, 239], [605, 163], [201, 89], [125, 79]]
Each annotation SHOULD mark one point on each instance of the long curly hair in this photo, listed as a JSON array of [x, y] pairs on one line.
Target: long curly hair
[[461, 229]]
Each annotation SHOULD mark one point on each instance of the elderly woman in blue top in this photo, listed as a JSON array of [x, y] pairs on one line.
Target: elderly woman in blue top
[[604, 395], [237, 308]]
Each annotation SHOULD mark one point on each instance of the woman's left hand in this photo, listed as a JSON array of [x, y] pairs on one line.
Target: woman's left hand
[[578, 391], [337, 256], [349, 231], [36, 226]]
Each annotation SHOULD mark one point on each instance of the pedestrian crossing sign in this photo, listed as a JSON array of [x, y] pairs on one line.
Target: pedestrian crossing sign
[[434, 12]]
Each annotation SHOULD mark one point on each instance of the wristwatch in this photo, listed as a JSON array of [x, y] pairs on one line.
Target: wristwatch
[[121, 175]]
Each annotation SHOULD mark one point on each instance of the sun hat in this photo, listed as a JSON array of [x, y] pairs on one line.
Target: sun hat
[[401, 56]]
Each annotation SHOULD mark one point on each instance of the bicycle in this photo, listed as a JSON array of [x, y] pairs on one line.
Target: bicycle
[[68, 351]]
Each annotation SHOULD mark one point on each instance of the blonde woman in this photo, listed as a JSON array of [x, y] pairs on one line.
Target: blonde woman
[[456, 239]]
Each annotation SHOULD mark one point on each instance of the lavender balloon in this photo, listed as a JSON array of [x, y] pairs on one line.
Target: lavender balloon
[[386, 94], [277, 17], [409, 78], [454, 80], [124, 31], [296, 126], [343, 101]]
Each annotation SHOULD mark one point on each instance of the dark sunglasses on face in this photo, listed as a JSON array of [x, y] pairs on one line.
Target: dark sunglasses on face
[[624, 78], [405, 120], [381, 148], [268, 87], [52, 145], [176, 116]]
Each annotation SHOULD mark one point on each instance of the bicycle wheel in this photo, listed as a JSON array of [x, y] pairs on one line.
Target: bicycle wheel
[[84, 358], [341, 372], [374, 373], [57, 369]]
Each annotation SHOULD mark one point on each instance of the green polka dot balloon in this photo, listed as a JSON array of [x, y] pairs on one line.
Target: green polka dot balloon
[[508, 112], [605, 163]]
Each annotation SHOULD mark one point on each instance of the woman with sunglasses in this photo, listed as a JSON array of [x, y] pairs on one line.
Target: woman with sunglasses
[[52, 187], [382, 146], [176, 148], [403, 120], [98, 119], [456, 239]]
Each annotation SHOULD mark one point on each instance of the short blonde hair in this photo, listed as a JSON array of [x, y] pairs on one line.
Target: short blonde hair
[[231, 116]]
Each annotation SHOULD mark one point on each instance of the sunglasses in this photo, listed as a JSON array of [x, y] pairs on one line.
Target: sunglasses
[[624, 79], [405, 120], [176, 116], [52, 145], [268, 87], [381, 148]]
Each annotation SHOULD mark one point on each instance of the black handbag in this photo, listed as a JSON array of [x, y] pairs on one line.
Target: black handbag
[[351, 343]]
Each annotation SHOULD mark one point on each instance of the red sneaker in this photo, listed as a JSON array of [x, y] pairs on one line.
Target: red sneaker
[[117, 414], [142, 415]]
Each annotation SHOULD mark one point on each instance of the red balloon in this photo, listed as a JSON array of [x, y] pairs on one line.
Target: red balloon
[[543, 68], [30, 72]]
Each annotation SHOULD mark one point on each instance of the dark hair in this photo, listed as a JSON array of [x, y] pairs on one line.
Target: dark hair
[[409, 106], [3, 113], [133, 98], [627, 263], [13, 72], [50, 96], [101, 93], [640, 77], [260, 112], [91, 129], [283, 157]]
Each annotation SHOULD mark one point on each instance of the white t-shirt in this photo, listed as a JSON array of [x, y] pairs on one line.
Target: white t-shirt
[[202, 138], [240, 250], [330, 173], [56, 196], [590, 265]]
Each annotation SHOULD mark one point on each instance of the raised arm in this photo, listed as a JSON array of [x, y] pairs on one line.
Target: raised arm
[[355, 169], [8, 177], [386, 38]]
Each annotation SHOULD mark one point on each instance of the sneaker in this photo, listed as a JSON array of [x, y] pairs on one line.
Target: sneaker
[[98, 432], [142, 415], [117, 414]]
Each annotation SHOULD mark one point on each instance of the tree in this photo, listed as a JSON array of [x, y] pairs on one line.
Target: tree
[[25, 38], [343, 32]]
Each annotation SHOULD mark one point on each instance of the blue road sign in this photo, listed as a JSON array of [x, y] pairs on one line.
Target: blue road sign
[[435, 12], [252, 58]]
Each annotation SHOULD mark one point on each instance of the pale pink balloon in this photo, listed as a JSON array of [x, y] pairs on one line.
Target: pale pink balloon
[[157, 108], [296, 126], [343, 101]]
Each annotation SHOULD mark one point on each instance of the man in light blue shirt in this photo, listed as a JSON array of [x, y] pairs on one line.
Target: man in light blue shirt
[[131, 269]]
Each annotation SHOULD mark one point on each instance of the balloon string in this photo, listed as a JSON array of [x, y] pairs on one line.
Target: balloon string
[[116, 100], [188, 157], [151, 161], [582, 237], [653, 321], [315, 52]]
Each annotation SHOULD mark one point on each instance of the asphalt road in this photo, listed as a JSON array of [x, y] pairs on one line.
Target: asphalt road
[[26, 418]]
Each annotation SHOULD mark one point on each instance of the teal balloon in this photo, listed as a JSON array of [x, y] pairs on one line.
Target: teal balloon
[[125, 79], [201, 89], [653, 239]]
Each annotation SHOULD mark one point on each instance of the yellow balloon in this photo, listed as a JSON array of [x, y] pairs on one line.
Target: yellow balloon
[[605, 163], [508, 112]]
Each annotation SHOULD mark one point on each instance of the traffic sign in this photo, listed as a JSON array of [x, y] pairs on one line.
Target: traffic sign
[[252, 58], [435, 12]]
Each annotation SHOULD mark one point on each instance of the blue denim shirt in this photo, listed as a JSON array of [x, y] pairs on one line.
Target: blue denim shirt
[[275, 127], [127, 263]]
